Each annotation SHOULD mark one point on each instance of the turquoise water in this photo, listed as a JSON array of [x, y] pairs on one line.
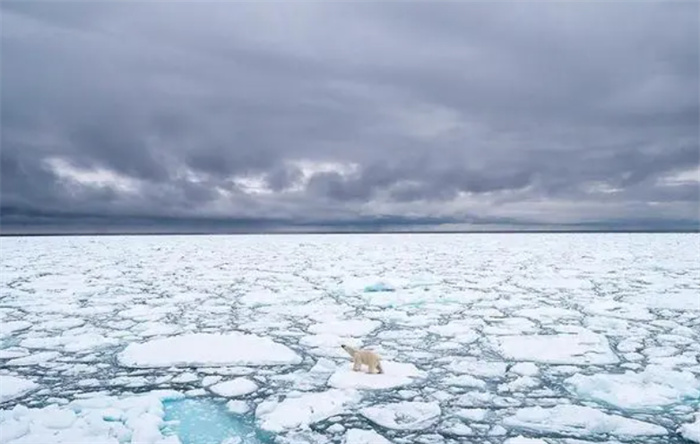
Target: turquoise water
[[205, 421]]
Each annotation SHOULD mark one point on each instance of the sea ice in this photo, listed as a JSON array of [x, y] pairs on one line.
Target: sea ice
[[524, 369], [235, 387], [34, 359], [301, 411], [654, 387], [476, 367], [359, 436], [237, 407], [405, 415], [524, 440], [580, 348], [580, 421], [12, 387], [691, 431], [396, 374], [345, 328], [201, 349]]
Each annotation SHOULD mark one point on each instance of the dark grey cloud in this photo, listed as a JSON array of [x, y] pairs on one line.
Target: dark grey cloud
[[367, 115]]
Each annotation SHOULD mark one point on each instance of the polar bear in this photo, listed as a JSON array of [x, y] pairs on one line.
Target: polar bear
[[364, 357]]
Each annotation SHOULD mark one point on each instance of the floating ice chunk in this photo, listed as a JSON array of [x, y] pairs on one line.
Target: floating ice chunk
[[466, 381], [35, 359], [185, 378], [405, 415], [691, 431], [523, 382], [12, 387], [548, 313], [237, 407], [345, 328], [580, 421], [379, 286], [472, 414], [156, 329], [8, 328], [654, 387], [581, 348], [359, 436], [323, 340], [525, 369], [523, 440], [306, 409], [476, 367], [13, 352], [461, 331], [201, 349], [456, 428], [475, 399], [210, 380], [233, 388], [396, 374]]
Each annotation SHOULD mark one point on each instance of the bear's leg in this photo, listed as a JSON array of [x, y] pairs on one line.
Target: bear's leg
[[372, 368], [356, 364]]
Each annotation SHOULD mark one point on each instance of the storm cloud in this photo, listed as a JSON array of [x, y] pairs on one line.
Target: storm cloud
[[228, 116]]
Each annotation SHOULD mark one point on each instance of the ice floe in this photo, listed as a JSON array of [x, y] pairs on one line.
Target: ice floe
[[405, 415], [579, 348], [201, 349], [303, 410], [654, 387], [396, 374], [360, 436], [235, 387], [580, 421], [12, 387]]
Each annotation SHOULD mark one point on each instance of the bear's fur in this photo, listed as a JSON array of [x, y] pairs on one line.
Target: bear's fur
[[364, 357]]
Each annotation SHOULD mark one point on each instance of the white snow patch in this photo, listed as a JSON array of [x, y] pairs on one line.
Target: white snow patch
[[237, 407], [202, 349]]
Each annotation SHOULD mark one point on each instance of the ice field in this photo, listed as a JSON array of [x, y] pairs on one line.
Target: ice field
[[485, 338]]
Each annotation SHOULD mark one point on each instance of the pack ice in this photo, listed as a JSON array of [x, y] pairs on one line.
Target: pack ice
[[484, 338]]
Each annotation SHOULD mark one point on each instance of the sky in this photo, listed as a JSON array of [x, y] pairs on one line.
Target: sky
[[157, 116]]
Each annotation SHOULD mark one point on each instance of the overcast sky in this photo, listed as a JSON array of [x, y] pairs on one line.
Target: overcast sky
[[349, 115]]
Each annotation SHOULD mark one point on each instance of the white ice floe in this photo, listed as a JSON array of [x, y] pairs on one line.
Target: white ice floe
[[579, 348], [461, 330], [476, 367], [7, 328], [359, 436], [95, 420], [396, 374], [405, 415], [13, 352], [301, 411], [654, 387], [472, 414], [201, 349], [345, 328], [580, 421], [12, 387], [33, 359], [235, 387], [524, 369], [466, 381], [524, 440], [237, 407], [691, 431]]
